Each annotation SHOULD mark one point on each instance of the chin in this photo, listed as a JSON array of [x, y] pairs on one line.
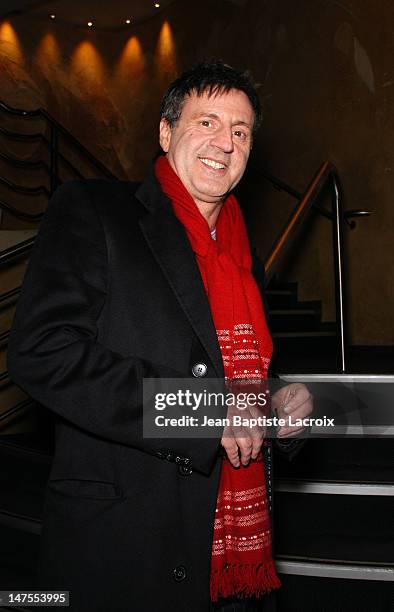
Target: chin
[[215, 193]]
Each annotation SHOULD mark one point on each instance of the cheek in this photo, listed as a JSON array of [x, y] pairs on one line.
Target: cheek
[[194, 140], [243, 159], [184, 145]]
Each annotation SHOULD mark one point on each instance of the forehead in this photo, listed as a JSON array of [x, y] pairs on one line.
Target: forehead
[[233, 103]]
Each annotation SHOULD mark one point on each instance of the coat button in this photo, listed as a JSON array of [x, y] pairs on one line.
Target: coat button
[[183, 470], [199, 369], [179, 573]]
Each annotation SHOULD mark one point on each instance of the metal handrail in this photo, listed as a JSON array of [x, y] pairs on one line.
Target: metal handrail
[[6, 295], [288, 232], [16, 250], [12, 412], [4, 376], [23, 189], [22, 137], [348, 215], [326, 174], [4, 337], [17, 111], [339, 268], [56, 129], [24, 163], [19, 214]]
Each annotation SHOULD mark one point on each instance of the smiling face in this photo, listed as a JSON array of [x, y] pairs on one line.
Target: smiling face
[[209, 146]]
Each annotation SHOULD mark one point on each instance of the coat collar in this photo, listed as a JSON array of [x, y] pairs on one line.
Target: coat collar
[[171, 248]]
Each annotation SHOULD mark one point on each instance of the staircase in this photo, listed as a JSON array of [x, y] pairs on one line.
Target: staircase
[[334, 526], [333, 505], [302, 342], [328, 544]]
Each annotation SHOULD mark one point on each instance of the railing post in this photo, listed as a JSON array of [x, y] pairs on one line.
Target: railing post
[[53, 158], [339, 273]]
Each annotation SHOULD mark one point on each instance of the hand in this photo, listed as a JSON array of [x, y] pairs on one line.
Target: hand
[[294, 400], [242, 443]]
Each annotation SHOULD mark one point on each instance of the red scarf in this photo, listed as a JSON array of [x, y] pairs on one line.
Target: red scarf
[[241, 564]]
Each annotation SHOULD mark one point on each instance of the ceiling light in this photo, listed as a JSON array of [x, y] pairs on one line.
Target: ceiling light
[[52, 16], [90, 23], [157, 5], [128, 20]]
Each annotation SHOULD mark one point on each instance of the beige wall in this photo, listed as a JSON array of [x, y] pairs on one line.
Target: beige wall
[[327, 74]]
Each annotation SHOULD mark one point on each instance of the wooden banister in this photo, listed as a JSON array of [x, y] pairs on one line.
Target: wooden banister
[[289, 232]]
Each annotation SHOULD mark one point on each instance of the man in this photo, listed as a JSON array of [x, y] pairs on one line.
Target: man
[[123, 286]]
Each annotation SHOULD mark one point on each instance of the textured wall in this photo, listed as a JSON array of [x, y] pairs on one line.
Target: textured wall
[[327, 75]]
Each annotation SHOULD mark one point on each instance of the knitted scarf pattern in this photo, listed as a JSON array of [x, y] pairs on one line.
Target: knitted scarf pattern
[[241, 562]]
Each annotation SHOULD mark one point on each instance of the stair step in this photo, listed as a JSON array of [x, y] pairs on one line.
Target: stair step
[[270, 292], [329, 487], [278, 286], [299, 322], [329, 526], [306, 334], [319, 355], [303, 593], [292, 311], [289, 300], [341, 460], [306, 354]]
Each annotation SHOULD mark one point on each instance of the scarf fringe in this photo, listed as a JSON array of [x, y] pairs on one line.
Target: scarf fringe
[[244, 581]]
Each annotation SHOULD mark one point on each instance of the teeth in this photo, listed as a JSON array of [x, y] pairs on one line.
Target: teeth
[[213, 164]]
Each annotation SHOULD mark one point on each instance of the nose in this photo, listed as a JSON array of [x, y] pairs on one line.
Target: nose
[[223, 139]]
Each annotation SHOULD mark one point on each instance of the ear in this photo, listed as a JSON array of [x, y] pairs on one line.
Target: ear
[[164, 135]]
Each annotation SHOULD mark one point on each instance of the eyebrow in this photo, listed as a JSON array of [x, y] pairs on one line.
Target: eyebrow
[[215, 116]]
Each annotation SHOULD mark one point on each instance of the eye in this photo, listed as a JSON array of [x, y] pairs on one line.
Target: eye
[[240, 134], [206, 123]]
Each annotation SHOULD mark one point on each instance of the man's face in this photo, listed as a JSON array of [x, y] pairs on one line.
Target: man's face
[[210, 144]]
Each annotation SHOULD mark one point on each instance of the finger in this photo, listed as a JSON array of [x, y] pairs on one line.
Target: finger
[[297, 402], [301, 412], [245, 448], [256, 412], [232, 452], [288, 432], [283, 397], [258, 435], [256, 447]]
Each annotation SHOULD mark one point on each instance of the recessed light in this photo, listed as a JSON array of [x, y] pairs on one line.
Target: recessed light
[[52, 16], [157, 4], [128, 20], [90, 23]]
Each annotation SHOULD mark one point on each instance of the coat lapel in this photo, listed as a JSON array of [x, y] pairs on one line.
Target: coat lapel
[[171, 248]]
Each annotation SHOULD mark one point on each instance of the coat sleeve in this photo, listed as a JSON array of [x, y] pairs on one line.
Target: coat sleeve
[[54, 353]]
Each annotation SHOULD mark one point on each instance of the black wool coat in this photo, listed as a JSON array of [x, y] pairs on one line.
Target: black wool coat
[[113, 294]]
